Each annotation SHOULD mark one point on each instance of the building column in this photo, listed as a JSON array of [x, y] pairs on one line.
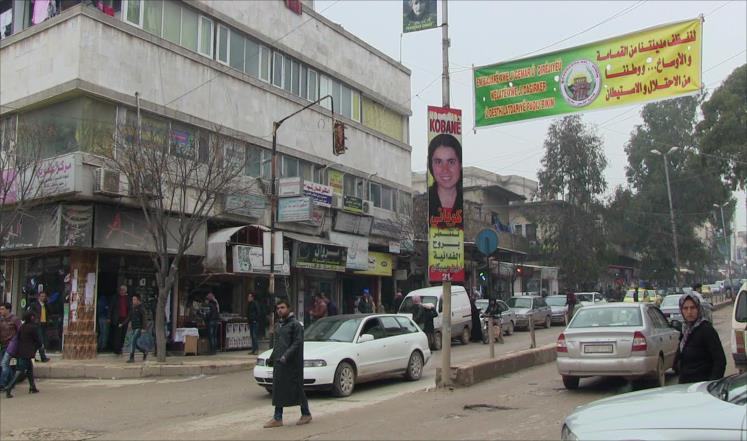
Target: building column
[[79, 336]]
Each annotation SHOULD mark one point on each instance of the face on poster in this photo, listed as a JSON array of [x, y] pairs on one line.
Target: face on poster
[[445, 202], [418, 15]]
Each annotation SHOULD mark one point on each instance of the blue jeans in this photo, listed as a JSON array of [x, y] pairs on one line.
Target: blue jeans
[[41, 330], [5, 364], [253, 329], [103, 339], [213, 336], [304, 409], [135, 337]]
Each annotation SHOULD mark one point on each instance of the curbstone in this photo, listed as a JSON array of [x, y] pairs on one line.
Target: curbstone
[[151, 370], [180, 370]]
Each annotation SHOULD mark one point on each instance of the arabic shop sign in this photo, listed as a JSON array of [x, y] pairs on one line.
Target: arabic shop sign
[[248, 259], [379, 264], [320, 194], [352, 204], [294, 209], [656, 63], [319, 256]]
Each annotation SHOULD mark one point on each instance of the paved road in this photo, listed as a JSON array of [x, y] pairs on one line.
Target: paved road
[[232, 407]]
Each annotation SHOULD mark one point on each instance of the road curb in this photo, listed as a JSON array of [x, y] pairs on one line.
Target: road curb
[[722, 305], [147, 370], [467, 374]]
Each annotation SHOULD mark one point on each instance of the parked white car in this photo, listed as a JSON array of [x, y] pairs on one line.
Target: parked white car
[[343, 350], [708, 410], [590, 298]]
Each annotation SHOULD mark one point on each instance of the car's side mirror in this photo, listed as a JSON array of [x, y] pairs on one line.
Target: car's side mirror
[[676, 324], [365, 337]]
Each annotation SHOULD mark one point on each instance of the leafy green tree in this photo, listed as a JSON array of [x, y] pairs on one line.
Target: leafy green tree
[[572, 169]]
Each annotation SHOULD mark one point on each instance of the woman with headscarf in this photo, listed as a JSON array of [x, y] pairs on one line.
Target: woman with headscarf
[[700, 356], [423, 315]]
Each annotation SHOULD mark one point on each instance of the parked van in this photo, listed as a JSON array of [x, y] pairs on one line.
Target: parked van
[[461, 311], [739, 329]]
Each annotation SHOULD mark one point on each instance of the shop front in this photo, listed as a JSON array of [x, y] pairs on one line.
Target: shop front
[[377, 279]]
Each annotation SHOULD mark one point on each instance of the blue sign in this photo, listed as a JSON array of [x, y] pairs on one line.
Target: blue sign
[[487, 241]]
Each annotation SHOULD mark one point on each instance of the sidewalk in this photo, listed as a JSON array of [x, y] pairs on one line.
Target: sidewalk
[[112, 367]]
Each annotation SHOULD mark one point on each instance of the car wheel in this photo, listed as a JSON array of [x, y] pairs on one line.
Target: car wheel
[[466, 334], [510, 328], [548, 322], [570, 383], [344, 382], [436, 344], [414, 367], [268, 389], [661, 377]]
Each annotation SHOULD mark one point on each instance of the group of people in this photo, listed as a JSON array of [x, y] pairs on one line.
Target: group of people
[[20, 340], [118, 315], [322, 307]]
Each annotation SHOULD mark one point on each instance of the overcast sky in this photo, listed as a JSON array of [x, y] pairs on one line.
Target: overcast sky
[[487, 32]]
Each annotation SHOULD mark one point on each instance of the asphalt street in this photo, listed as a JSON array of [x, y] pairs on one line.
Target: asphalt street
[[530, 404]]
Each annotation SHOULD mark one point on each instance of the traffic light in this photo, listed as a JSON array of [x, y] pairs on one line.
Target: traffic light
[[338, 138]]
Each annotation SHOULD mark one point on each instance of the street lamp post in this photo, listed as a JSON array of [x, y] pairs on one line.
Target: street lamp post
[[726, 243], [671, 213]]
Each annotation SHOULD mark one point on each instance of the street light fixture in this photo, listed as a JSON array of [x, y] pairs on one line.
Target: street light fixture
[[726, 243], [671, 212]]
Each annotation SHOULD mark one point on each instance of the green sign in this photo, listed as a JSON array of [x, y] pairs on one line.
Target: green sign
[[352, 204], [657, 63]]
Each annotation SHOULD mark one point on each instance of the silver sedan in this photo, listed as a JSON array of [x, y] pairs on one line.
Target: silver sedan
[[634, 341], [670, 306]]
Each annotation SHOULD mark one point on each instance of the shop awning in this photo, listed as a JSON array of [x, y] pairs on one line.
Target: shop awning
[[216, 259], [311, 239]]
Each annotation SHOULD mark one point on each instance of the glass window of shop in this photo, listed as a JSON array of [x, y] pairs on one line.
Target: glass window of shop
[[47, 274]]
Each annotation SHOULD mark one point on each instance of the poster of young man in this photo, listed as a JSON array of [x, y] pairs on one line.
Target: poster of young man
[[419, 15], [445, 203]]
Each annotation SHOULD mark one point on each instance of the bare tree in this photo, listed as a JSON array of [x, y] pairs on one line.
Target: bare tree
[[176, 181]]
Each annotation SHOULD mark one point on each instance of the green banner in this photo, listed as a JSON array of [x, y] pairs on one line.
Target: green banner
[[656, 63]]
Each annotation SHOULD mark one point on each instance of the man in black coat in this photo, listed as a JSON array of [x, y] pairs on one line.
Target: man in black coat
[[41, 314], [119, 310], [252, 317], [137, 321], [287, 371]]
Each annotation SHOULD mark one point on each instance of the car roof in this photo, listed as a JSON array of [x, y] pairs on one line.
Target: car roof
[[528, 296], [618, 305], [356, 316], [434, 290]]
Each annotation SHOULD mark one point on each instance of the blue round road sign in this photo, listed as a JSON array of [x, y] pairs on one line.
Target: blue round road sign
[[487, 241]]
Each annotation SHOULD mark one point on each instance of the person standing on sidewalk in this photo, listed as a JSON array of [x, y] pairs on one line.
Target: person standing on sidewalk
[[331, 305], [287, 371], [700, 356], [136, 320], [213, 320], [319, 310], [119, 310], [27, 344], [570, 305], [9, 326], [252, 316], [39, 308]]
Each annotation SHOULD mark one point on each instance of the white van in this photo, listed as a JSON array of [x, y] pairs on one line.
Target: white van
[[461, 311], [739, 329]]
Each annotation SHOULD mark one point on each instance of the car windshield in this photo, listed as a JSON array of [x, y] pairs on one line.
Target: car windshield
[[555, 300], [585, 297], [333, 329], [406, 307], [481, 304], [732, 389], [519, 302], [606, 317], [671, 301]]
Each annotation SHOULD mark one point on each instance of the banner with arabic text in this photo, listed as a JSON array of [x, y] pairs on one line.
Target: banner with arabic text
[[656, 63], [418, 15]]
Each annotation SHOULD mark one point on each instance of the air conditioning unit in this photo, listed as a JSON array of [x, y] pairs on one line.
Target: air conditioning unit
[[337, 202], [368, 207], [106, 182]]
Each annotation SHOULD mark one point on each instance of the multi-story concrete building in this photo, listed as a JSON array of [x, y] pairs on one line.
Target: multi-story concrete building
[[200, 67]]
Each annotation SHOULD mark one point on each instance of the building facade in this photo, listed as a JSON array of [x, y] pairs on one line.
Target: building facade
[[203, 69]]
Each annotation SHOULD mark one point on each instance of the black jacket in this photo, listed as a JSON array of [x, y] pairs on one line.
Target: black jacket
[[213, 315], [252, 312], [28, 341], [365, 307], [703, 357], [287, 362], [424, 318], [136, 317], [36, 308]]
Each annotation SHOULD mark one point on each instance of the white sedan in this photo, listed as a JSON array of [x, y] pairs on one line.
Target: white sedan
[[343, 350], [713, 410]]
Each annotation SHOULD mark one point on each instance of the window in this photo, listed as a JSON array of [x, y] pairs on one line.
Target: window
[[373, 326], [295, 78], [405, 203], [236, 52], [252, 58], [172, 20], [313, 87], [346, 101], [352, 185], [182, 140], [277, 69], [266, 164], [153, 16], [7, 133], [392, 327], [223, 44], [206, 37], [356, 115], [253, 161], [408, 325], [374, 193], [303, 82], [189, 29], [290, 167], [325, 88], [388, 198], [203, 147], [531, 231], [265, 58], [133, 12], [287, 77], [336, 93], [306, 170]]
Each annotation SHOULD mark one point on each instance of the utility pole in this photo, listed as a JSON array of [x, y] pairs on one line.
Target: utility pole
[[727, 243], [446, 316], [671, 213]]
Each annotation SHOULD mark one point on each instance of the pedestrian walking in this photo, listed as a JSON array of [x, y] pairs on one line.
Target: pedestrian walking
[[119, 310], [700, 356], [103, 318], [252, 316], [331, 305], [135, 320], [365, 305], [39, 308], [213, 320], [9, 326], [570, 305], [398, 298], [423, 315], [287, 371], [26, 345]]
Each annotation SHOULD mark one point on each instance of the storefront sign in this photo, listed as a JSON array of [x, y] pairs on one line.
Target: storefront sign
[[379, 264], [290, 186], [296, 209], [35, 228], [319, 256], [52, 177], [352, 204], [394, 247], [445, 204], [251, 205], [248, 259], [76, 225], [357, 249], [320, 194], [351, 223], [652, 64], [335, 180], [386, 228]]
